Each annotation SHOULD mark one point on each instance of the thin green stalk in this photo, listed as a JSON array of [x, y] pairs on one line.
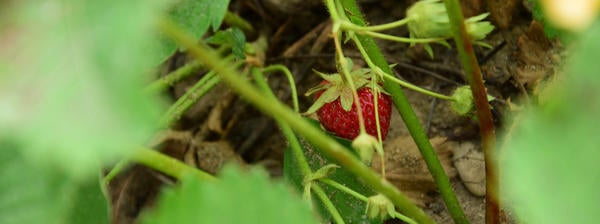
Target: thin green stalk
[[337, 218], [192, 96], [205, 84], [316, 136], [484, 115], [408, 85], [168, 165], [116, 170], [410, 119], [417, 88], [401, 39], [343, 188], [173, 77], [285, 128], [351, 26], [290, 77]]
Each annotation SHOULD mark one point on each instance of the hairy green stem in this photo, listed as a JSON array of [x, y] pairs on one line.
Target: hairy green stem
[[173, 77], [351, 26], [317, 137], [205, 84], [192, 96], [484, 115], [168, 165], [390, 77], [337, 218], [343, 188], [400, 39], [410, 119], [290, 77]]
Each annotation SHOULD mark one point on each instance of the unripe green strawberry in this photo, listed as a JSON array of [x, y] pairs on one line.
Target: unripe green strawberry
[[345, 124]]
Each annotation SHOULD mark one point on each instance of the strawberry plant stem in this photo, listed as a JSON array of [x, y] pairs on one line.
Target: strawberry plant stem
[[288, 75], [484, 115], [295, 144], [386, 26], [343, 188], [205, 84], [317, 137], [173, 77], [168, 165], [400, 39], [337, 218], [410, 118], [184, 102], [285, 128]]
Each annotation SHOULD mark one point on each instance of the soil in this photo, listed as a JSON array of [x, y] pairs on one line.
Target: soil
[[223, 128]]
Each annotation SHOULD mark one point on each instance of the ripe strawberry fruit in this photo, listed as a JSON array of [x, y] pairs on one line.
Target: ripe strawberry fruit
[[345, 124]]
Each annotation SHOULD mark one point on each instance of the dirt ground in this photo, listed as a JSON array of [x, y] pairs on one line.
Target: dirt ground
[[222, 127]]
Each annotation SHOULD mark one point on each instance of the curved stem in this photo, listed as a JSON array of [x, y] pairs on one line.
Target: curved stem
[[320, 193], [484, 115], [116, 170], [351, 26], [285, 128], [417, 88], [401, 39], [410, 119], [408, 85], [290, 77], [328, 146], [173, 77], [168, 165], [344, 189], [205, 84]]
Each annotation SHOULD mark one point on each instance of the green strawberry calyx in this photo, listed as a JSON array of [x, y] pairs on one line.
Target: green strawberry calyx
[[334, 87]]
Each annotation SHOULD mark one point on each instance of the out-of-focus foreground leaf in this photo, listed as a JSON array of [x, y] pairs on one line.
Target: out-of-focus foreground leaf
[[550, 165], [195, 17], [71, 90], [33, 194], [236, 198]]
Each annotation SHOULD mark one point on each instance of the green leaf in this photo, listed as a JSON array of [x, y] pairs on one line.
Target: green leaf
[[352, 209], [33, 194], [232, 37], [73, 96], [236, 198], [551, 171], [194, 17]]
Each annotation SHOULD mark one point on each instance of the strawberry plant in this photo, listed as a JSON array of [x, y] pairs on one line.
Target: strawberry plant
[[100, 103]]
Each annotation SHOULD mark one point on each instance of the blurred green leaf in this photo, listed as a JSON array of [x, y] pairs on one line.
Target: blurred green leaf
[[352, 209], [237, 197], [33, 194], [74, 94], [195, 17], [233, 37], [550, 166]]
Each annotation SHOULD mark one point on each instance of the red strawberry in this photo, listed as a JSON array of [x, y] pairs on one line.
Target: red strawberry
[[345, 124]]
